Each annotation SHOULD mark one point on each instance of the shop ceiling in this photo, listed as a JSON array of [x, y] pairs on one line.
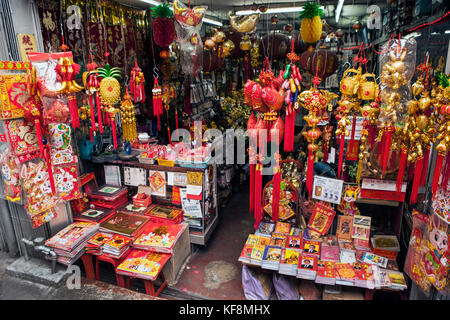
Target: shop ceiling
[[352, 10]]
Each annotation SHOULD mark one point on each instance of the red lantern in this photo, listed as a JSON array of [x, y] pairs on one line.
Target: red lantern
[[262, 8], [276, 45], [339, 33], [288, 28], [357, 26], [274, 19], [322, 61]]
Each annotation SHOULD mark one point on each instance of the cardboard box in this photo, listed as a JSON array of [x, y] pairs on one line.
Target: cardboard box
[[180, 252], [347, 293], [143, 202]]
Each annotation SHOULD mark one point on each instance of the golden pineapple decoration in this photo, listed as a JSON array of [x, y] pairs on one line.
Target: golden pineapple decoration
[[311, 27], [128, 116], [109, 85]]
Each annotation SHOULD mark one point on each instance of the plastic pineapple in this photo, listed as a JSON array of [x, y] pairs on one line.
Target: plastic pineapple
[[109, 85], [311, 28]]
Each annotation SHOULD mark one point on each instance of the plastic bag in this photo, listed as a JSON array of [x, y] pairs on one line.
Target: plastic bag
[[188, 23], [398, 66], [285, 287], [417, 250], [22, 137], [36, 187], [256, 285], [13, 88], [10, 175]]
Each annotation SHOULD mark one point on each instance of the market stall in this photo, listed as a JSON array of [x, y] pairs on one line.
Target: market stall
[[145, 119]]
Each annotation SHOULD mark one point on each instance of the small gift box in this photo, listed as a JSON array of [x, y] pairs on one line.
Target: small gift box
[[143, 197]]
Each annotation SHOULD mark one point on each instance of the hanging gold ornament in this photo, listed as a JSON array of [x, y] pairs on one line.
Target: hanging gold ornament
[[128, 116]]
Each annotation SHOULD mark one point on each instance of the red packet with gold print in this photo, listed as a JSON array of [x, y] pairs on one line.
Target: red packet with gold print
[[13, 89]]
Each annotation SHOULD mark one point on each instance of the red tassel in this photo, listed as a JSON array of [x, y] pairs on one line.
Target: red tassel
[[416, 182], [387, 148], [252, 188], [73, 108], [91, 106], [195, 65], [371, 135], [143, 92], [437, 172], [289, 129], [37, 125], [310, 173], [276, 194], [113, 127], [401, 169], [157, 102], [49, 169], [426, 158], [380, 146], [446, 172], [258, 189], [91, 136], [168, 133], [341, 154], [99, 112]]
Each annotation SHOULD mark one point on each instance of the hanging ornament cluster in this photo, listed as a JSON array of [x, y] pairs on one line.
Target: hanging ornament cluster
[[398, 64], [315, 101], [311, 26], [440, 95], [128, 116], [418, 131], [92, 85], [110, 95], [67, 70], [137, 81], [356, 89], [188, 23]]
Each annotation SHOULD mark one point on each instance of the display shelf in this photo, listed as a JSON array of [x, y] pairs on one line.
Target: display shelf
[[206, 228], [379, 202], [203, 239]]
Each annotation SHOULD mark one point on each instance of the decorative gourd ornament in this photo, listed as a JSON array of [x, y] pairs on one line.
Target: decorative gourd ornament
[[311, 27], [67, 70], [163, 25], [109, 85]]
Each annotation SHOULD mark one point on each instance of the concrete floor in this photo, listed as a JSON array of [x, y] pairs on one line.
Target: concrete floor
[[12, 288], [213, 271]]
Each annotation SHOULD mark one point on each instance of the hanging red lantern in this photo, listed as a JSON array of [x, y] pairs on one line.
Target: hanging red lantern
[[274, 19], [339, 33], [262, 8], [322, 61], [288, 28], [277, 45], [357, 26]]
